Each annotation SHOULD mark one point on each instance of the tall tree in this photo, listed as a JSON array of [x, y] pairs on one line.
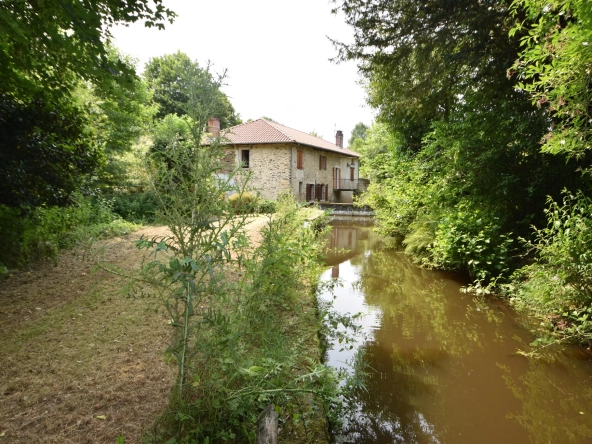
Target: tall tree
[[119, 119], [49, 44], [173, 78], [464, 166], [47, 149], [420, 58], [359, 132]]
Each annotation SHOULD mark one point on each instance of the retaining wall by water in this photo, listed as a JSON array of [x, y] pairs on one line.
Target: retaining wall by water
[[347, 209]]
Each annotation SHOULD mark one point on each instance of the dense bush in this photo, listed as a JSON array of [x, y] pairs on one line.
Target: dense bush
[[558, 285], [135, 207], [265, 206], [243, 203], [472, 241], [37, 233]]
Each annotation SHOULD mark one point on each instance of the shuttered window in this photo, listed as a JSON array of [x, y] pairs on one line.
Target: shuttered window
[[318, 191], [300, 160], [322, 162]]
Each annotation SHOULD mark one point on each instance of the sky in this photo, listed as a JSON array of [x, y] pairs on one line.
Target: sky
[[276, 54]]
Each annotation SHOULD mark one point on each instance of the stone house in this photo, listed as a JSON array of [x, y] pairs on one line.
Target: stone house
[[282, 159]]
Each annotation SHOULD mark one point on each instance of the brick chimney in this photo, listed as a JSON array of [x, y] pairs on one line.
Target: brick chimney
[[339, 139], [214, 126]]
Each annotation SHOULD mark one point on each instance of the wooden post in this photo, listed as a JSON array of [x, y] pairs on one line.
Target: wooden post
[[267, 430]]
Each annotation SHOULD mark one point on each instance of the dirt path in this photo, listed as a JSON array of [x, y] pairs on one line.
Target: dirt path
[[79, 362]]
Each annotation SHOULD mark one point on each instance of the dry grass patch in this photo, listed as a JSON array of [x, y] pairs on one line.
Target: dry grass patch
[[80, 363], [83, 364]]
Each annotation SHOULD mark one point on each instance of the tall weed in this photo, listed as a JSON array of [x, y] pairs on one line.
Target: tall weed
[[254, 342], [558, 285]]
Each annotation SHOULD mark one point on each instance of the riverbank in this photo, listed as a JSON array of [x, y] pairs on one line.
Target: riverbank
[[444, 365], [83, 364]]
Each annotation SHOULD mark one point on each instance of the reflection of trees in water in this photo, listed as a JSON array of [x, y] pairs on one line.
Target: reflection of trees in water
[[386, 410], [417, 315], [554, 408], [426, 317], [416, 303]]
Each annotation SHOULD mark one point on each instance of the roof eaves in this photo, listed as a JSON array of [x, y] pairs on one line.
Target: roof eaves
[[335, 151]]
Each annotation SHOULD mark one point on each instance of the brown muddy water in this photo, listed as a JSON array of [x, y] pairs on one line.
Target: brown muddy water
[[443, 365]]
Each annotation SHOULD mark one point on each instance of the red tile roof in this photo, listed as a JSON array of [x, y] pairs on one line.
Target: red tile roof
[[265, 131]]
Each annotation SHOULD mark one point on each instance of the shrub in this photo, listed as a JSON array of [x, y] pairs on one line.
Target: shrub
[[243, 203], [136, 207], [558, 285], [468, 240], [39, 233], [266, 206]]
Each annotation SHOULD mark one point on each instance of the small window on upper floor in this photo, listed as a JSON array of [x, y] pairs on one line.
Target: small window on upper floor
[[300, 160], [245, 155], [322, 162]]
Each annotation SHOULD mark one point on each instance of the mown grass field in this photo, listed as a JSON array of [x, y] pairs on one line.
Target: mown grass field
[[80, 362]]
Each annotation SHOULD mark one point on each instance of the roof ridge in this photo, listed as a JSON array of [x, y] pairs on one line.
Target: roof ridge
[[240, 124], [306, 134], [277, 129]]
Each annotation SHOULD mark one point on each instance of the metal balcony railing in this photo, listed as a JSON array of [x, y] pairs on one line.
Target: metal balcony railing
[[350, 185]]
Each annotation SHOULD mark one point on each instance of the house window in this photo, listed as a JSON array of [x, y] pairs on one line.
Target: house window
[[300, 160], [352, 173], [322, 162], [245, 158], [299, 187]]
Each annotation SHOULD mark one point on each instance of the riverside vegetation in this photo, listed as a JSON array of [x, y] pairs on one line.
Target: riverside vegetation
[[245, 324], [480, 158], [89, 149], [243, 342]]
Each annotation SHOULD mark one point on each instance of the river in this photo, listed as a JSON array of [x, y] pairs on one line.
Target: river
[[443, 365]]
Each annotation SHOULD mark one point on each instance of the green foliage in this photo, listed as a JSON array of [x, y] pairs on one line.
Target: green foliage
[[243, 203], [135, 207], [420, 58], [555, 69], [46, 151], [359, 132], [261, 357], [42, 232], [175, 80], [265, 206], [558, 285], [118, 120], [51, 44], [469, 240], [477, 176]]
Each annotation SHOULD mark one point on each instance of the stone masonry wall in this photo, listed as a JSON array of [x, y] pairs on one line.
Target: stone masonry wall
[[312, 174], [269, 166], [274, 170]]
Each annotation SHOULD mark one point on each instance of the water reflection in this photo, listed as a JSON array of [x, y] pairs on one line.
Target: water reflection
[[444, 365]]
